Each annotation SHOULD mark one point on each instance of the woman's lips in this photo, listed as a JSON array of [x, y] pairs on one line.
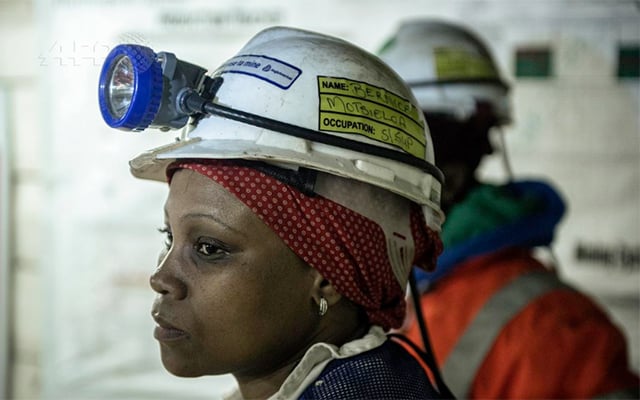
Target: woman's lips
[[165, 332]]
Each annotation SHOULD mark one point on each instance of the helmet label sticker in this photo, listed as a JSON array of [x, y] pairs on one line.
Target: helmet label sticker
[[349, 106], [266, 68], [453, 63]]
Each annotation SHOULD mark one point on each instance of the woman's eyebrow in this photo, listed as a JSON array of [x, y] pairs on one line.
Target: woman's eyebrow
[[196, 215]]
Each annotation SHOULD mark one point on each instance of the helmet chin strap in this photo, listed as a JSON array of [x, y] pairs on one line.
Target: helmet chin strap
[[505, 156], [428, 355]]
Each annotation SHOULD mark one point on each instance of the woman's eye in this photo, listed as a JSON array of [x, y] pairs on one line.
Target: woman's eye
[[168, 237], [208, 249]]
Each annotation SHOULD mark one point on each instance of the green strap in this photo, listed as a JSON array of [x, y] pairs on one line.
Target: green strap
[[473, 346]]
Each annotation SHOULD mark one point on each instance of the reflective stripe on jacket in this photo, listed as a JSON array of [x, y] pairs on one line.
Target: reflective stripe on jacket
[[460, 368]]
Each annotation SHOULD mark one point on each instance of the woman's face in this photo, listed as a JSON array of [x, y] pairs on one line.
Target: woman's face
[[232, 298]]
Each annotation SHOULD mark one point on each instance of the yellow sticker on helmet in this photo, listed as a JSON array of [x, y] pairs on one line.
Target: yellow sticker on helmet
[[349, 106], [458, 63]]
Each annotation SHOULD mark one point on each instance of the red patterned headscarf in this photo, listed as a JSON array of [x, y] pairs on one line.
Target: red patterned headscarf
[[348, 249]]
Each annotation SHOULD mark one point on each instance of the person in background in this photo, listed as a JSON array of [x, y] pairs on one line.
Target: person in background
[[301, 194], [502, 323]]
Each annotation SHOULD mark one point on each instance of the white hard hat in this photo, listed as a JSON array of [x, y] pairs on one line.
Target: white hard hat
[[303, 99], [448, 68]]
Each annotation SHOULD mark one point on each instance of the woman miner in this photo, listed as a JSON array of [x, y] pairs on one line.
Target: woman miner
[[300, 196]]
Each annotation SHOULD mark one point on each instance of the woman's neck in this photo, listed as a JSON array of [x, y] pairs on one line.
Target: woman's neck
[[264, 385]]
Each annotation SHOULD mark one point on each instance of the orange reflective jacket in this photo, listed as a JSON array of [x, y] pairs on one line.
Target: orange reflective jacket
[[557, 343]]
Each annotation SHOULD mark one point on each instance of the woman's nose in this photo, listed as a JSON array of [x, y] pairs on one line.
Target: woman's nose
[[165, 280]]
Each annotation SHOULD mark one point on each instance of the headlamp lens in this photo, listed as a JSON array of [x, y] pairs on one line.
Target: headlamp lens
[[130, 88], [121, 87]]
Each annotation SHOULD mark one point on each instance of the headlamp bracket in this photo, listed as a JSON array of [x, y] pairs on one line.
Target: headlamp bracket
[[177, 75]]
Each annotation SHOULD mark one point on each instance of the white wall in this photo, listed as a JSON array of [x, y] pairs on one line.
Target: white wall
[[83, 229], [21, 295]]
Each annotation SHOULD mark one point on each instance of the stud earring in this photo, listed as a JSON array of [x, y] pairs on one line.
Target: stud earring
[[324, 306]]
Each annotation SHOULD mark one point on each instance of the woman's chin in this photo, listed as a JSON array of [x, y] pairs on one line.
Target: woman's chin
[[181, 368]]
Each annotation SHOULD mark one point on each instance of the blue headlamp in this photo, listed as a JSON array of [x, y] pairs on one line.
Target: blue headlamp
[[138, 88]]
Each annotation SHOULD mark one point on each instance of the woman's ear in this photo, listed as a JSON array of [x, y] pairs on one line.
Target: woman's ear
[[322, 288]]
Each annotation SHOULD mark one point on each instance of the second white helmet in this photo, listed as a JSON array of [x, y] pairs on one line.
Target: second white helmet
[[448, 68]]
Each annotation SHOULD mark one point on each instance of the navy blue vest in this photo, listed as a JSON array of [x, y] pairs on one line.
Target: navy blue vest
[[387, 372]]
